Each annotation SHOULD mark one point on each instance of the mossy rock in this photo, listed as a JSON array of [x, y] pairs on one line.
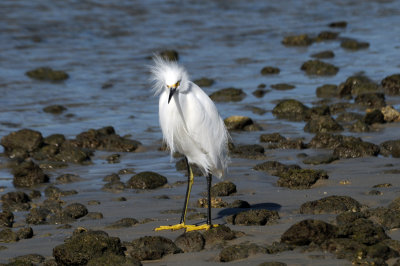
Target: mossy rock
[[228, 95], [290, 109], [269, 70], [353, 45], [204, 82], [391, 84], [300, 178], [332, 204], [297, 40], [48, 74], [319, 68], [146, 180]]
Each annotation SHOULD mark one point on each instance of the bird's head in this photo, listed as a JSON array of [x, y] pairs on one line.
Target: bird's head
[[170, 76]]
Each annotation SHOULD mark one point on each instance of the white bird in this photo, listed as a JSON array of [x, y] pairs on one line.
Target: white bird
[[191, 125]]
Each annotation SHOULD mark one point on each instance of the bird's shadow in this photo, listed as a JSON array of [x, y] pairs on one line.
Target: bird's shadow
[[267, 205]]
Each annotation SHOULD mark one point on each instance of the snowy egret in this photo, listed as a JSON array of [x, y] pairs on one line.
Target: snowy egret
[[191, 125]]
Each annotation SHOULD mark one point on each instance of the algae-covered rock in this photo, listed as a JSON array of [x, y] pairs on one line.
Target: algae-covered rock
[[252, 151], [85, 246], [7, 235], [371, 100], [353, 45], [338, 24], [224, 188], [268, 70], [327, 35], [113, 259], [253, 217], [320, 159], [356, 85], [300, 178], [309, 231], [228, 95], [331, 204], [6, 218], [29, 259], [21, 142], [327, 91], [324, 123], [153, 248], [297, 40], [218, 235], [387, 217], [48, 74], [25, 233], [237, 122], [204, 82], [290, 109], [146, 180], [190, 242], [363, 231], [69, 152], [390, 147], [170, 55], [353, 148], [15, 201], [181, 166], [239, 251], [374, 117], [272, 138], [320, 68], [55, 109], [391, 84], [282, 86], [123, 223], [275, 168], [324, 54]]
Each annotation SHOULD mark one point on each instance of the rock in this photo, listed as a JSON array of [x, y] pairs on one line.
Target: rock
[[348, 117], [390, 114], [309, 231], [112, 178], [297, 40], [322, 124], [38, 216], [105, 139], [29, 259], [222, 189], [240, 251], [204, 82], [390, 147], [25, 233], [68, 178], [319, 68], [6, 218], [327, 91], [181, 166], [272, 263], [54, 192], [272, 138], [75, 210], [170, 55], [47, 74], [324, 55], [260, 92], [240, 204], [72, 154], [54, 109], [237, 122], [292, 110], [282, 86], [123, 223], [268, 70], [330, 204], [190, 242], [338, 24], [363, 231], [15, 201], [386, 217], [54, 139], [21, 143], [94, 216], [357, 85], [353, 44], [391, 84], [153, 248], [353, 148], [374, 117], [320, 159], [114, 187], [7, 235], [146, 180], [215, 203], [114, 158], [300, 178], [371, 100], [253, 217], [113, 259], [85, 246], [228, 95], [275, 168], [253, 151], [218, 235], [327, 35]]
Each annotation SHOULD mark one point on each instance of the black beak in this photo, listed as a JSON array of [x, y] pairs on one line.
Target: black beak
[[171, 92]]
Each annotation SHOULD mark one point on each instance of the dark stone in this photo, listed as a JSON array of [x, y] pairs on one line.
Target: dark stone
[[123, 223], [153, 248], [386, 217], [275, 168], [228, 95], [289, 144], [15, 201], [222, 189], [54, 109], [112, 178], [85, 246], [272, 138], [75, 210], [309, 231], [354, 148], [268, 70], [353, 44], [240, 204], [338, 24], [38, 216], [292, 110], [113, 259], [345, 248], [7, 235], [204, 82], [322, 124], [68, 178], [253, 217], [390, 147], [105, 139], [240, 251], [48, 74], [237, 122], [181, 166], [54, 139], [29, 259], [113, 158], [357, 85], [146, 180], [359, 126], [300, 178], [297, 40], [170, 55], [373, 117], [320, 159], [253, 151], [272, 263], [6, 218], [363, 231], [21, 142], [114, 187], [349, 217], [72, 154], [282, 86], [327, 35], [327, 91], [324, 55], [260, 92], [94, 216], [25, 233], [54, 192], [331, 204], [391, 84], [371, 100], [348, 117], [319, 68], [218, 235], [190, 242]]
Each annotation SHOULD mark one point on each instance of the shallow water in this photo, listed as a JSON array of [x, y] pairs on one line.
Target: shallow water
[[109, 42]]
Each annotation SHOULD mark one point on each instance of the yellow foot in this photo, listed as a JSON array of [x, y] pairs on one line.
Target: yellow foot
[[171, 227], [200, 227]]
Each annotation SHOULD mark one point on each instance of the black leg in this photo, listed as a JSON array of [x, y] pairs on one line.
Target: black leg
[[209, 178], [189, 187]]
